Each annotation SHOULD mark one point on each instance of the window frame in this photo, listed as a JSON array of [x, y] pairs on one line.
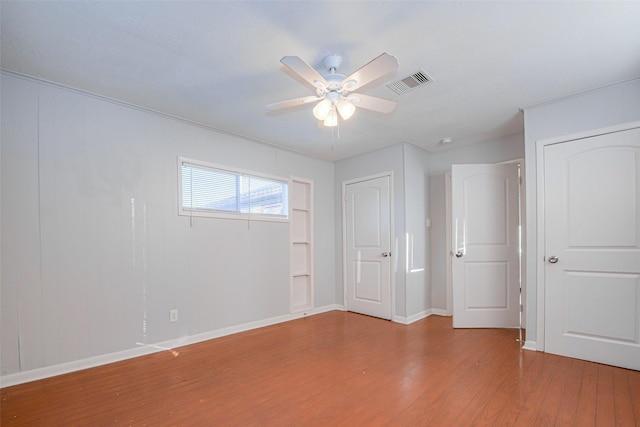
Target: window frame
[[232, 214]]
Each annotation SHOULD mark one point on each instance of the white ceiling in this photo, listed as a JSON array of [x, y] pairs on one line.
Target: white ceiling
[[217, 62]]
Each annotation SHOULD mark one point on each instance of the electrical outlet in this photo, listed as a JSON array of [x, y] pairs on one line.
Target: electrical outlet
[[173, 315]]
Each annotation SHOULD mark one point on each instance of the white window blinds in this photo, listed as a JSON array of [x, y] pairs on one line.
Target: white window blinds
[[209, 190]]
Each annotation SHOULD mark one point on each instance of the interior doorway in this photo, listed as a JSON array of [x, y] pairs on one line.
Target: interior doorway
[[589, 233], [484, 244], [367, 245]]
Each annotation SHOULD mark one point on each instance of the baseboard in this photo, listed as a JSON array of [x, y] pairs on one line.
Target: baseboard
[[146, 349], [440, 312], [530, 345], [409, 320]]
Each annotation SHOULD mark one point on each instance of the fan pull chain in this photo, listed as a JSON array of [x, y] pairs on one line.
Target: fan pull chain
[[332, 140], [337, 127]]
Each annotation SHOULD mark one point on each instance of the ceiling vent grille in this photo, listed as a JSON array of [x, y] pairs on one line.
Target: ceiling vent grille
[[410, 82]]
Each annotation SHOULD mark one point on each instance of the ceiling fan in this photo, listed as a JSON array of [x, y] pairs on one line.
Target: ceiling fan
[[335, 91]]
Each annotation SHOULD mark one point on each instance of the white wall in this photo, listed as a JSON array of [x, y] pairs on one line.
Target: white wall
[[507, 148], [417, 236], [385, 160], [410, 204], [591, 110], [94, 254]]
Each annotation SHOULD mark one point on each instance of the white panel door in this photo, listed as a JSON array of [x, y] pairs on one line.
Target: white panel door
[[367, 247], [592, 248], [486, 265]]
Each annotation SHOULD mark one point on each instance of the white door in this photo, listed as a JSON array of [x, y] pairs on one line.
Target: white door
[[592, 248], [368, 247], [485, 241]]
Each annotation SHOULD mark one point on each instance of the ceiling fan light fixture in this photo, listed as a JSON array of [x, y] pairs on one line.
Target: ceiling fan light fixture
[[321, 111], [345, 108], [333, 91], [332, 119]]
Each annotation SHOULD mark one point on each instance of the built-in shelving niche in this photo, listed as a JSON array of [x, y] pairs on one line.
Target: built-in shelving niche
[[301, 244]]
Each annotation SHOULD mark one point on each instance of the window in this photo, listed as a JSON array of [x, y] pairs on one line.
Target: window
[[210, 190]]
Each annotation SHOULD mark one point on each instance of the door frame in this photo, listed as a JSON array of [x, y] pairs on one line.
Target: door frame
[[523, 248], [393, 244], [540, 220]]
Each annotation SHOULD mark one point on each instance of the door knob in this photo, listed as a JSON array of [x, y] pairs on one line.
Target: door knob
[[553, 259], [459, 254], [385, 254]]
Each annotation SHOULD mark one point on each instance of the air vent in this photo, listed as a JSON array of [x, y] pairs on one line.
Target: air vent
[[410, 82]]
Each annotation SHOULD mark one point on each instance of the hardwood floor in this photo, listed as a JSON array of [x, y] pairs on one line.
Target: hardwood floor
[[337, 369]]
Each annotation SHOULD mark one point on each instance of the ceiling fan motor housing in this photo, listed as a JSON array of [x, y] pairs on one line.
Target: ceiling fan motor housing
[[332, 62], [334, 81]]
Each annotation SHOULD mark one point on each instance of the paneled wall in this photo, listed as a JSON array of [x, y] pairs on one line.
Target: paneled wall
[[94, 254]]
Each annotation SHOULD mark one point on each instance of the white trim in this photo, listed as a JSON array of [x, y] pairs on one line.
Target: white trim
[[530, 345], [419, 316], [522, 199], [310, 272], [146, 349], [449, 251], [409, 320], [366, 178], [540, 245], [540, 235], [589, 133], [392, 240], [577, 94], [440, 312]]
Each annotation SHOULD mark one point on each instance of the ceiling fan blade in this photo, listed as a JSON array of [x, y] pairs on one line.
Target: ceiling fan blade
[[378, 67], [373, 103], [305, 71], [292, 102]]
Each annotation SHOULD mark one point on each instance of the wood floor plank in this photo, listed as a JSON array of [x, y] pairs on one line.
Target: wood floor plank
[[525, 382], [505, 405], [532, 406], [478, 410], [444, 402], [622, 398], [605, 408], [634, 391], [550, 404], [570, 395], [586, 413], [333, 369]]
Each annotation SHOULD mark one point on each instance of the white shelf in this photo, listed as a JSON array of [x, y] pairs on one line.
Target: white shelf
[[300, 273], [300, 226], [301, 223], [301, 194]]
